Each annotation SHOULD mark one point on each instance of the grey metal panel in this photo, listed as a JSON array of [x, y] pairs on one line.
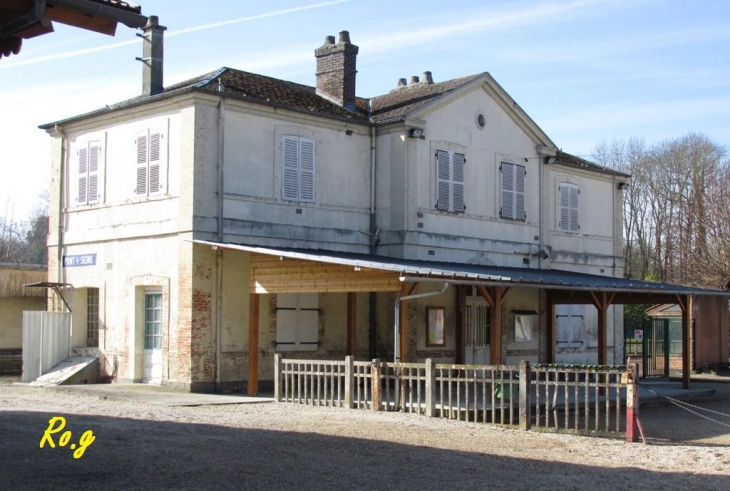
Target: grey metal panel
[[46, 342], [526, 277]]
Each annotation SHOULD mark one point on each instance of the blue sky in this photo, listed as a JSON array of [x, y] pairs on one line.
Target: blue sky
[[583, 70]]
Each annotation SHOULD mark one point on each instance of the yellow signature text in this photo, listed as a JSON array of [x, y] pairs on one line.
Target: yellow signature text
[[58, 423]]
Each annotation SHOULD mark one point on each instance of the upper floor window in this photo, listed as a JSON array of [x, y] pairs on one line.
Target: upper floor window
[[297, 169], [88, 174], [450, 181], [513, 191], [569, 207], [149, 159]]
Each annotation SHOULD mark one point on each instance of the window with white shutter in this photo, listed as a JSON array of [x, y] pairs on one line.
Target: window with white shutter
[[148, 153], [513, 191], [450, 181], [297, 321], [569, 320], [568, 209], [298, 169], [88, 191]]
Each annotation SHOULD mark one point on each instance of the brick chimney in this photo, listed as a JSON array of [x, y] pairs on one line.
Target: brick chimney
[[152, 56], [336, 70]]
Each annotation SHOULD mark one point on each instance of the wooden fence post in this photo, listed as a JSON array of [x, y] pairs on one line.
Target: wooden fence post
[[375, 384], [525, 402], [277, 377], [430, 388], [632, 403], [349, 380]]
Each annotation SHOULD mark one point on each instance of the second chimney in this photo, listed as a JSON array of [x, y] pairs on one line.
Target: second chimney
[[152, 56], [336, 70]]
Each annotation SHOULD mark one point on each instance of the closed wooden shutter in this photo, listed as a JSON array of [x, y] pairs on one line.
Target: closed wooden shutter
[[443, 180], [155, 158], [83, 176], [308, 334], [458, 182], [573, 201], [519, 192], [306, 170], [508, 195], [290, 168], [93, 189], [569, 207], [297, 321], [142, 163]]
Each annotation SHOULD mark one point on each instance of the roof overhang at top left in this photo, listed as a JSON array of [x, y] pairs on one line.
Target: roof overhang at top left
[[26, 19]]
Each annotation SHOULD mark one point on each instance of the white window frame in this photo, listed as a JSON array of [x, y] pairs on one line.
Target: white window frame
[[153, 327], [298, 169], [297, 322], [568, 207], [88, 173], [512, 183], [450, 185], [149, 155], [569, 319]]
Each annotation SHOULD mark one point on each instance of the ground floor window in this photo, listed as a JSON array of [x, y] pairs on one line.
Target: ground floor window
[[570, 325], [153, 321], [297, 321], [92, 317]]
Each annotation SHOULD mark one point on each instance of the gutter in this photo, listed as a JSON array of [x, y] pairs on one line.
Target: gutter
[[129, 18], [34, 14]]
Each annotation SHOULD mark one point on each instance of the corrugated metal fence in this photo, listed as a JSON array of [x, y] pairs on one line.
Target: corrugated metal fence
[[46, 342]]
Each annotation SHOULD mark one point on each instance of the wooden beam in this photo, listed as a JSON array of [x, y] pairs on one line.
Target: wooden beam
[[352, 325], [686, 306], [487, 296], [506, 293], [495, 335], [459, 328], [403, 321], [602, 307], [551, 342], [253, 345]]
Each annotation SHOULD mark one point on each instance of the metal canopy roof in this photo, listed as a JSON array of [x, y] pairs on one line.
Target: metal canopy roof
[[416, 270]]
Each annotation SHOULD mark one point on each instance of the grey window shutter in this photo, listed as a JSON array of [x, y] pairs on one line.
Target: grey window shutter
[[142, 164], [308, 333], [458, 182], [306, 170], [155, 160], [82, 196], [564, 207], [576, 324], [93, 189], [443, 182], [574, 191], [508, 195], [290, 168], [519, 192]]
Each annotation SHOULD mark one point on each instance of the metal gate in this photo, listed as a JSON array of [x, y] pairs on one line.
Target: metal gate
[[46, 342], [662, 346], [476, 340]]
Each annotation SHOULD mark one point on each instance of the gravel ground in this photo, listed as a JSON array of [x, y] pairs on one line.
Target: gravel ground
[[283, 446]]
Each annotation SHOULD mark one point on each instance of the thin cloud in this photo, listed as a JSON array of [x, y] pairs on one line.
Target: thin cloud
[[80, 52]]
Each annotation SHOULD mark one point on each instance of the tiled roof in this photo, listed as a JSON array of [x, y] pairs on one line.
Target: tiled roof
[[579, 163], [401, 101], [268, 90]]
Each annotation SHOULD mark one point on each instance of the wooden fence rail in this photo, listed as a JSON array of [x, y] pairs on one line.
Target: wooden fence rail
[[576, 399]]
